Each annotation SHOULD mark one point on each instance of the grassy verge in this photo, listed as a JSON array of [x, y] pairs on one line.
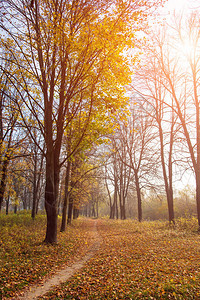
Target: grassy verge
[[25, 259], [151, 260]]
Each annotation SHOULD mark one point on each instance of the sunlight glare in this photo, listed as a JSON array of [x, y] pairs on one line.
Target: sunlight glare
[[188, 47]]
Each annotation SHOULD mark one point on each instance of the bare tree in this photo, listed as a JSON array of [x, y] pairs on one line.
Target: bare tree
[[11, 129], [164, 126], [175, 75]]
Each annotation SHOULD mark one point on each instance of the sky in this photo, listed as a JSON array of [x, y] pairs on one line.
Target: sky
[[178, 7], [182, 6]]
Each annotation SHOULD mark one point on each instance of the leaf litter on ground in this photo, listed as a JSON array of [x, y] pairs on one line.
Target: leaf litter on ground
[[148, 260], [26, 260]]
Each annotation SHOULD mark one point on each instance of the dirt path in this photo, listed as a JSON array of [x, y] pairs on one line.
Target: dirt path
[[63, 275]]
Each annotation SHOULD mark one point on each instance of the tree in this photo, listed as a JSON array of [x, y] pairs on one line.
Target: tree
[[84, 186], [132, 155], [138, 139], [95, 134], [182, 84], [37, 168], [11, 132], [164, 120], [72, 54], [111, 180], [117, 174], [173, 88]]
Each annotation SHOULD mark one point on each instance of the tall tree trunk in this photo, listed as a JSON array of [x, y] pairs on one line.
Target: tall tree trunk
[[120, 205], [114, 211], [170, 170], [66, 197], [124, 206], [3, 180], [70, 210], [198, 196], [169, 192], [50, 201], [93, 211], [86, 211], [97, 208], [170, 203], [139, 198], [110, 200], [75, 213], [123, 215], [34, 186], [197, 171], [39, 183], [116, 206], [24, 199], [7, 203]]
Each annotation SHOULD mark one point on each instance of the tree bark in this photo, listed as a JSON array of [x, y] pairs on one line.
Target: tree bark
[[34, 186], [50, 201], [75, 213], [3, 180], [66, 197], [110, 200], [7, 204], [139, 198], [70, 210], [198, 196], [168, 188]]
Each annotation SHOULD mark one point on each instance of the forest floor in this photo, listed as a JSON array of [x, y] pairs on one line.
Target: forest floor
[[33, 292], [107, 260]]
